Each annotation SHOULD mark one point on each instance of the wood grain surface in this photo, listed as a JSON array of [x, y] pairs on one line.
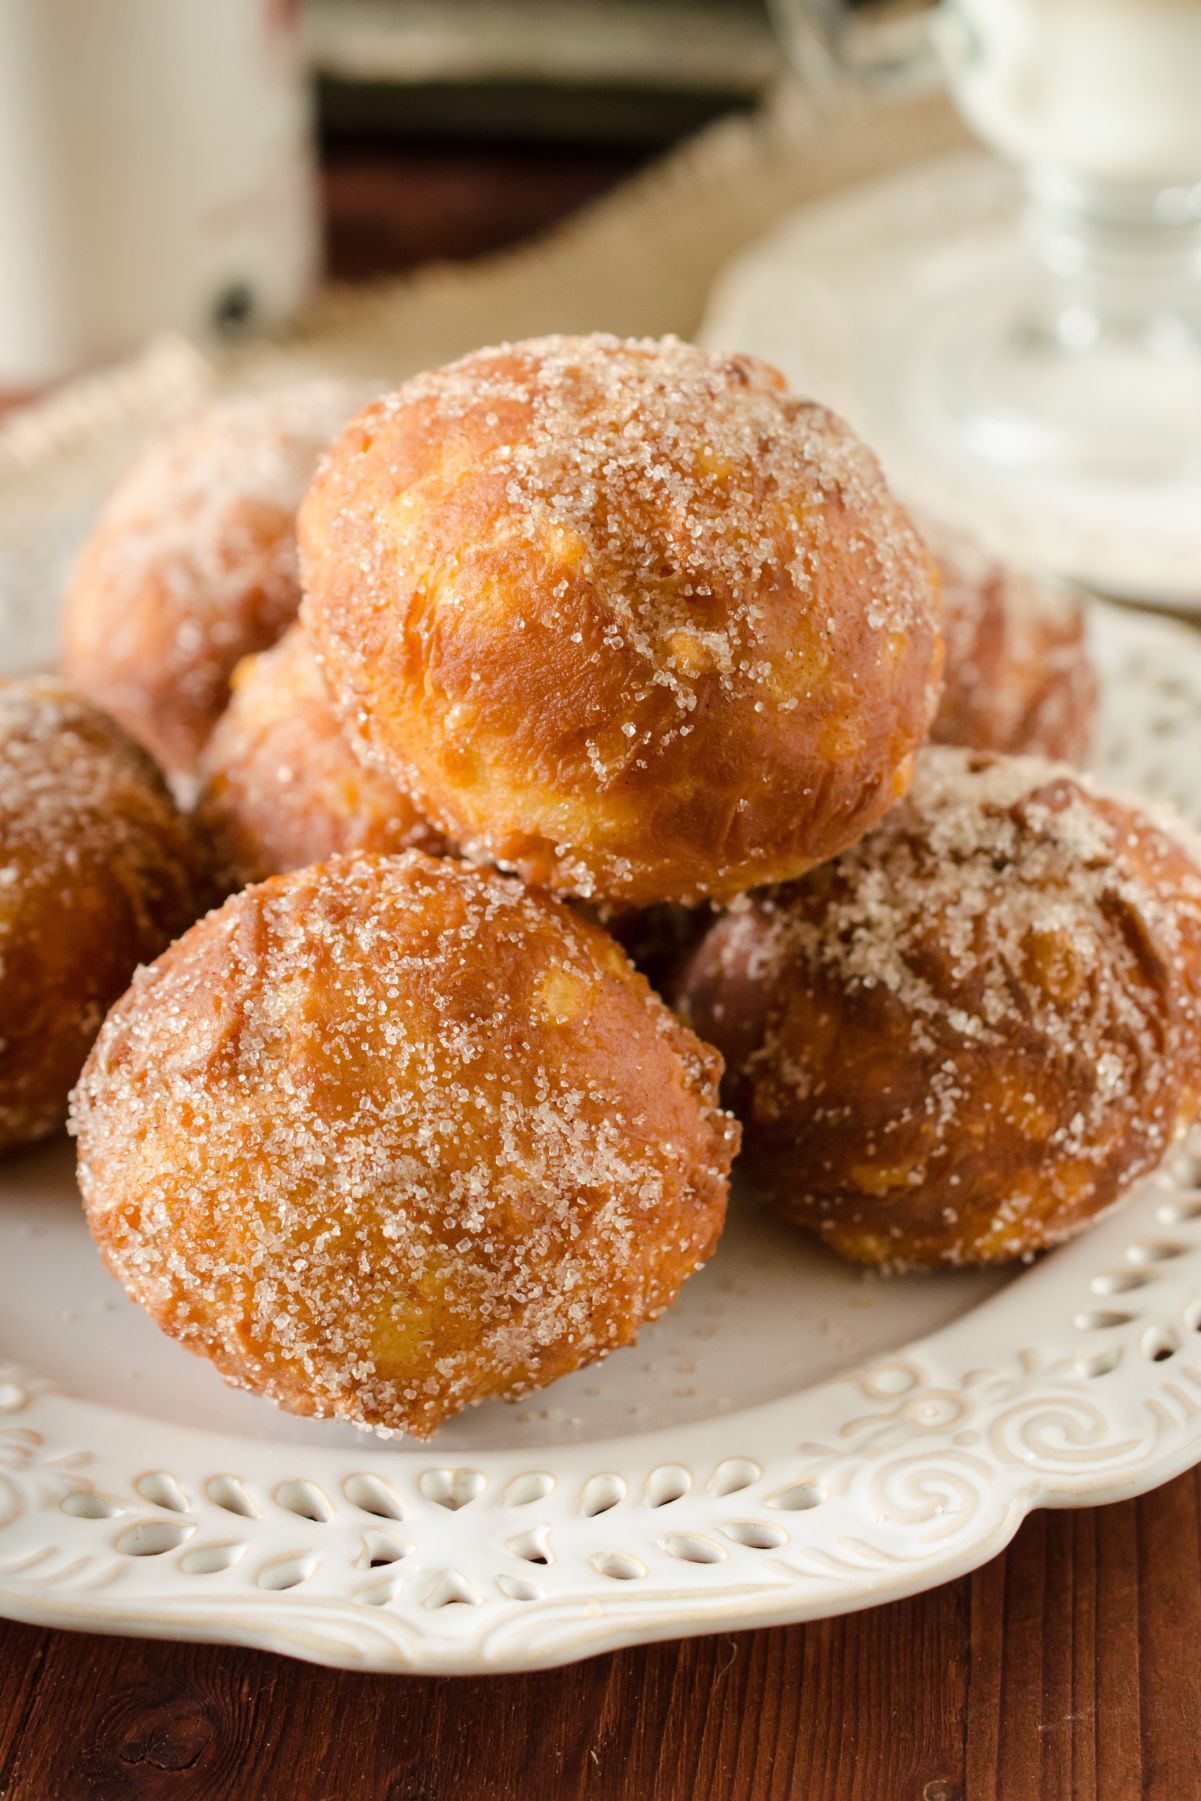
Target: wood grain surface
[[1065, 1670], [1069, 1669]]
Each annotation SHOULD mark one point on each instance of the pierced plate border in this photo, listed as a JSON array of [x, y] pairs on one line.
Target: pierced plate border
[[893, 1477]]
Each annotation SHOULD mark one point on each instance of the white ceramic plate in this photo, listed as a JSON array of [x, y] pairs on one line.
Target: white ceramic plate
[[795, 1438]]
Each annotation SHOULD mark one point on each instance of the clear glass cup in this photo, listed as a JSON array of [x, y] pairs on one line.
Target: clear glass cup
[[1078, 355]]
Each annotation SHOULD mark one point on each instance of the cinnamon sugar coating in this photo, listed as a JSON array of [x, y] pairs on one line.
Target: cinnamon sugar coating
[[1018, 675], [391, 1135], [624, 615], [98, 872], [192, 563], [962, 1040], [282, 784]]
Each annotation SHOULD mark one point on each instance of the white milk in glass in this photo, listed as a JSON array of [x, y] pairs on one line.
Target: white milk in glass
[[1109, 89]]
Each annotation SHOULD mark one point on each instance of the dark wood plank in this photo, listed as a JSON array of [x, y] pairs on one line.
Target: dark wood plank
[[1168, 1578], [115, 1718], [1021, 1670], [758, 1714], [1108, 1669], [20, 1667], [390, 206]]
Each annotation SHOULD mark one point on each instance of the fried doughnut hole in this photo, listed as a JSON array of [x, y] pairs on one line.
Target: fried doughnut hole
[[962, 1040], [192, 564], [98, 872], [387, 1136], [282, 784], [625, 615], [1018, 675]]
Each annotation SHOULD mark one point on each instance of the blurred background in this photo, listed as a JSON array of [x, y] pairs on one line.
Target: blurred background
[[171, 166], [1019, 338], [507, 113]]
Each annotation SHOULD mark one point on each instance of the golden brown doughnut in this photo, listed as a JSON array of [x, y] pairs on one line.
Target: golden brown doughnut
[[625, 615], [98, 871], [192, 564], [1018, 676], [962, 1040], [282, 785], [389, 1135]]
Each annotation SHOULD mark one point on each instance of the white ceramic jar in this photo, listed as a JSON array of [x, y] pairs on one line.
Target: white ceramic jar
[[156, 173]]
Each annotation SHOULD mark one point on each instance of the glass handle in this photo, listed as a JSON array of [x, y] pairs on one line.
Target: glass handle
[[884, 49]]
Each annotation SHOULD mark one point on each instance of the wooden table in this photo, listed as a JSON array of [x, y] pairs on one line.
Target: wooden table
[[1069, 1669]]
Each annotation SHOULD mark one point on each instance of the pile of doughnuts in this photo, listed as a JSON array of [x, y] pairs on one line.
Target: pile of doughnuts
[[192, 565], [579, 658], [99, 871]]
